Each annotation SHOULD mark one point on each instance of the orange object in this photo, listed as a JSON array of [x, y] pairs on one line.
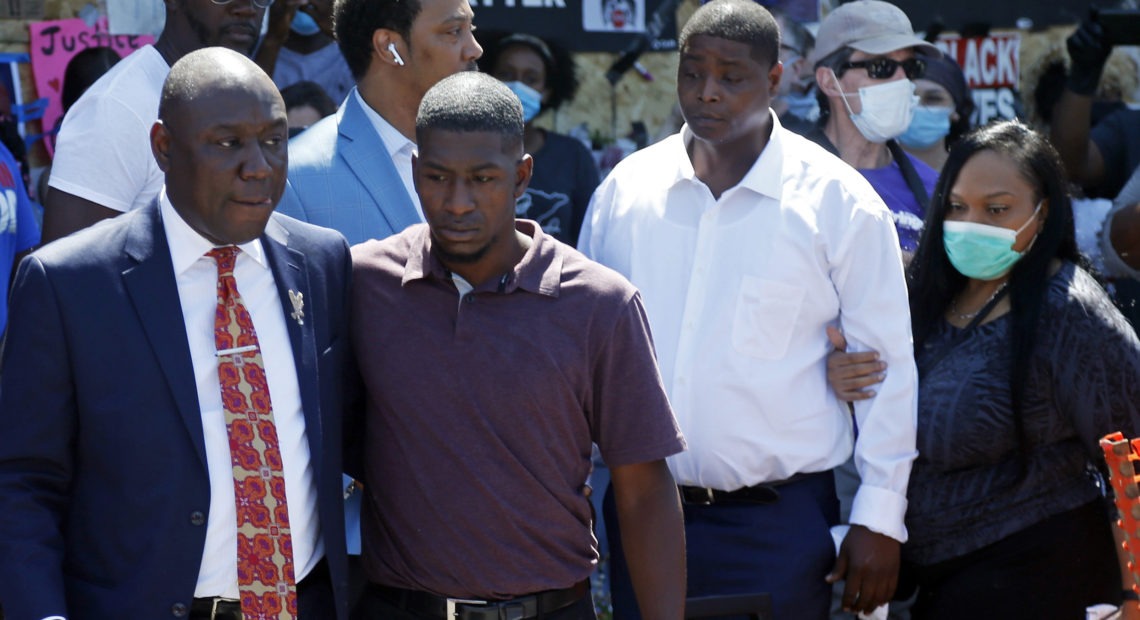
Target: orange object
[[1122, 456]]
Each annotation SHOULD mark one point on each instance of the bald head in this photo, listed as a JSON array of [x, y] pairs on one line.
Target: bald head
[[221, 141], [208, 71]]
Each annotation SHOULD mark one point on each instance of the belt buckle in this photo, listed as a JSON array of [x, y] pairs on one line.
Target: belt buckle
[[453, 611], [697, 496]]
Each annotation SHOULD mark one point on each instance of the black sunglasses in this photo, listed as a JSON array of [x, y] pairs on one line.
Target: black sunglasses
[[882, 68]]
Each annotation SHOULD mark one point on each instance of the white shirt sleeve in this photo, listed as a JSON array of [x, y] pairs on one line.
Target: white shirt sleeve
[[103, 153], [868, 275]]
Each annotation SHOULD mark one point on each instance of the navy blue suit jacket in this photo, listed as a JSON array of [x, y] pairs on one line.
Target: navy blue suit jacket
[[103, 480], [341, 177]]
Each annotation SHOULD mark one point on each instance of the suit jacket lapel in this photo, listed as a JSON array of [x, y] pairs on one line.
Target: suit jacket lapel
[[292, 278], [153, 291], [365, 154]]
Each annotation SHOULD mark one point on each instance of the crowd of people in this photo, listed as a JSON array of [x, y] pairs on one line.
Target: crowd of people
[[323, 324]]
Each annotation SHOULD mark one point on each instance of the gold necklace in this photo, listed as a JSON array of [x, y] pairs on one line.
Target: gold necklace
[[969, 316]]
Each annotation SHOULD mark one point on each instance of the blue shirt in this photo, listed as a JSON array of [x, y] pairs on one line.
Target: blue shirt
[[18, 230]]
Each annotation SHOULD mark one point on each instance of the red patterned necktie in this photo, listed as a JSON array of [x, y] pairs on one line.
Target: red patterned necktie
[[265, 550]]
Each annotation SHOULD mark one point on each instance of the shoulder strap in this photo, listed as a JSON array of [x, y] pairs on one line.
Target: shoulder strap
[[910, 175], [978, 318]]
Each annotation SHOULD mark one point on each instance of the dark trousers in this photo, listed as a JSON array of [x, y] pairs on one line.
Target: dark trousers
[[372, 607], [783, 549], [1053, 569], [315, 597]]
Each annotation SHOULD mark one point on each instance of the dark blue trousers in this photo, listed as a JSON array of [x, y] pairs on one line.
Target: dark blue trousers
[[784, 549]]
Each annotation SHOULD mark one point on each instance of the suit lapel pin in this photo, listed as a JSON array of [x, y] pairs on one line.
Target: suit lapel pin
[[298, 301]]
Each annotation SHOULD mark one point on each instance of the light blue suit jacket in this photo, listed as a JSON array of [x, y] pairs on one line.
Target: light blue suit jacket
[[341, 177]]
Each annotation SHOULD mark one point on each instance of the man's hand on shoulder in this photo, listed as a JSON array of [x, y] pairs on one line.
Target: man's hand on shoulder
[[869, 562]]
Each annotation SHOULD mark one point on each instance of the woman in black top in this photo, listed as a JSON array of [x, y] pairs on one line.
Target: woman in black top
[[1024, 364]]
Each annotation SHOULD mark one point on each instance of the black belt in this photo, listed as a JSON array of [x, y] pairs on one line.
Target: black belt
[[520, 608], [763, 493], [215, 608], [218, 608]]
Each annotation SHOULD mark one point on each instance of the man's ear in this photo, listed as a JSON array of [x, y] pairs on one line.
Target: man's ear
[[827, 81], [381, 39], [774, 76], [523, 172], [160, 144]]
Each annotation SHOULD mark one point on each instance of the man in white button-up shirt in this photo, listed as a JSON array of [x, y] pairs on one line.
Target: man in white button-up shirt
[[747, 241]]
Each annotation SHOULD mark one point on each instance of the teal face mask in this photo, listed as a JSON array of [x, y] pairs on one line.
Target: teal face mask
[[929, 125], [981, 251], [531, 99]]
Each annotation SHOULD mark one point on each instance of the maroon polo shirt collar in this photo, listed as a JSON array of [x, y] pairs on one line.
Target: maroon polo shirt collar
[[539, 271]]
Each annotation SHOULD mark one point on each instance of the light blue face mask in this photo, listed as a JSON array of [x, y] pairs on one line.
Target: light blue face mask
[[804, 106], [929, 125], [304, 24], [531, 99], [981, 251]]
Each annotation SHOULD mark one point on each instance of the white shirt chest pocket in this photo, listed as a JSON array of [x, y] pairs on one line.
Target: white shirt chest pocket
[[766, 314]]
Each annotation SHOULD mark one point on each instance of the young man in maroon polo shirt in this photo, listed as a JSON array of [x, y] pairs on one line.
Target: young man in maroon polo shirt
[[492, 356]]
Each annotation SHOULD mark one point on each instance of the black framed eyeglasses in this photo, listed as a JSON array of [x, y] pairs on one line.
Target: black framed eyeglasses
[[261, 4], [882, 68]]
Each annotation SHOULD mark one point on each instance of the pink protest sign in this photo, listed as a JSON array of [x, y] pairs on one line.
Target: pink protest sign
[[54, 43]]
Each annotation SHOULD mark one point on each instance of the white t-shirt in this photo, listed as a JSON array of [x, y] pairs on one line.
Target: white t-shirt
[[103, 149]]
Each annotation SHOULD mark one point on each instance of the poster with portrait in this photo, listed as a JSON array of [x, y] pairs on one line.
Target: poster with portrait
[[613, 15]]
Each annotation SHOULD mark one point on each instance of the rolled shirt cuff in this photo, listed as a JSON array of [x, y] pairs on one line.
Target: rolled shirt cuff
[[881, 511]]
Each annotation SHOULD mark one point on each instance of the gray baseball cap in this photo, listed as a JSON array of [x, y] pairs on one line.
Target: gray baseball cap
[[870, 26]]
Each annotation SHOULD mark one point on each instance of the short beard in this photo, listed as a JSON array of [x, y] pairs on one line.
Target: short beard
[[461, 259], [203, 35]]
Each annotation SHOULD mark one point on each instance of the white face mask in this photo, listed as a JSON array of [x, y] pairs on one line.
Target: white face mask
[[887, 109]]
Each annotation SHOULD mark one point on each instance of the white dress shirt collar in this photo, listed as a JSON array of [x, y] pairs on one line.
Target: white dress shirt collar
[[394, 141], [400, 150], [765, 175], [188, 245]]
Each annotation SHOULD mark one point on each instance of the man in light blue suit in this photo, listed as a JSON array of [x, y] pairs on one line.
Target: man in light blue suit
[[353, 171]]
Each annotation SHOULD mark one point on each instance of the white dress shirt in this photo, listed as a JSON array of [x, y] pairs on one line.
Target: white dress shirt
[[739, 292], [197, 277], [400, 149]]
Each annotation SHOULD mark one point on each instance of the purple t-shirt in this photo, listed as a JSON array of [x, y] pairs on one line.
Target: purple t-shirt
[[888, 181], [481, 410]]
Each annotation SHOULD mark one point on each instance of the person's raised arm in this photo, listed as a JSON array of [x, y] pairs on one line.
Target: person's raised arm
[[277, 31], [653, 537], [1069, 128]]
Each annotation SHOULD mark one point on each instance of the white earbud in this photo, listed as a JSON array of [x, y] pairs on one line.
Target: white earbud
[[395, 54]]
